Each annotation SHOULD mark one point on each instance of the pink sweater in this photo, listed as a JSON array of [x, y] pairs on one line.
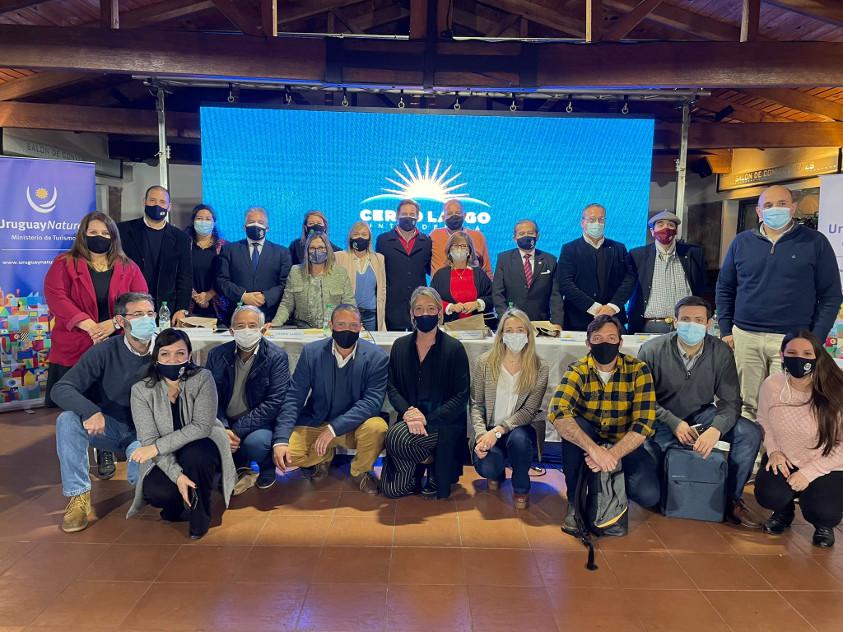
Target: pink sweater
[[791, 427]]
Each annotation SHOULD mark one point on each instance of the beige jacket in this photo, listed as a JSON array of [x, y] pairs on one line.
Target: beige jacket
[[348, 260]]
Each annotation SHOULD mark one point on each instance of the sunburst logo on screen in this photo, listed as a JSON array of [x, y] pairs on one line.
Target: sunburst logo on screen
[[438, 185]]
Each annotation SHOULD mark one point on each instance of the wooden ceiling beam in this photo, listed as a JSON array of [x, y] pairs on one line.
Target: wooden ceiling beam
[[752, 135], [110, 14], [683, 20], [540, 14], [418, 18], [7, 6], [740, 112], [799, 100], [241, 15], [39, 82], [269, 17], [750, 19], [627, 23], [593, 20], [827, 10]]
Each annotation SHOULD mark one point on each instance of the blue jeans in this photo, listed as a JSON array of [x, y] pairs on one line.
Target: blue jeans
[[744, 438], [369, 319], [519, 446], [640, 468], [256, 446], [72, 441]]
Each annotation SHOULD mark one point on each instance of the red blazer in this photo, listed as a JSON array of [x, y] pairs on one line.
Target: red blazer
[[71, 298]]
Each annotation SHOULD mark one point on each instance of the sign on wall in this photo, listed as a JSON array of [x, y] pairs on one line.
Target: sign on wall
[[831, 225]]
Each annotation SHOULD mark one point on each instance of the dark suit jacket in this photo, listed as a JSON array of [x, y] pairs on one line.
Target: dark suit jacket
[[541, 301], [580, 287], [441, 282], [308, 400], [237, 276], [643, 261], [404, 273], [175, 269]]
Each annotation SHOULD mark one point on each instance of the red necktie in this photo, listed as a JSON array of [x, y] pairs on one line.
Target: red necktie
[[528, 270]]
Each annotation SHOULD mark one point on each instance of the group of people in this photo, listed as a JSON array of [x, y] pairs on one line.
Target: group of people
[[777, 296]]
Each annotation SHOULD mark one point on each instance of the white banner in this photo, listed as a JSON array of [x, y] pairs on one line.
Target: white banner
[[831, 225]]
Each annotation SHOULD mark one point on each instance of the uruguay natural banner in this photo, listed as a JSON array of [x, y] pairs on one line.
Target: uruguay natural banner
[[41, 203]]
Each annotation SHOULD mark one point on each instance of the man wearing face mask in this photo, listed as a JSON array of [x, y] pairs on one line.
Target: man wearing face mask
[[525, 278], [698, 400], [162, 252], [594, 273], [665, 271], [254, 271], [114, 365], [335, 399], [252, 375], [776, 279], [454, 215], [604, 409], [407, 255]]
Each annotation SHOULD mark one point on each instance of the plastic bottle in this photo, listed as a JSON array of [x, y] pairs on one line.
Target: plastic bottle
[[163, 316]]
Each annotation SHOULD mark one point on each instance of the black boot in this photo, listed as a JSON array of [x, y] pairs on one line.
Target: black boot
[[823, 537], [105, 465], [777, 523]]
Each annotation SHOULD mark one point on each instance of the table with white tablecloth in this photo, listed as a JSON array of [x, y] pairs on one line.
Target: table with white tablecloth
[[557, 352]]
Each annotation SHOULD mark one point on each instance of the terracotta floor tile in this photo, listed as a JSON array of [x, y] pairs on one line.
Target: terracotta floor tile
[[756, 611], [151, 530], [654, 570], [92, 605], [674, 611], [804, 533], [130, 562], [690, 536], [567, 569], [360, 505], [501, 567], [823, 610], [101, 530], [413, 509], [415, 565], [718, 571], [339, 564], [266, 607], [278, 564], [179, 606], [546, 534], [205, 564], [486, 506], [359, 531], [436, 531], [521, 609], [343, 608], [641, 537], [10, 552], [408, 609], [748, 542], [291, 530], [22, 600], [316, 503], [54, 561], [235, 530], [505, 533], [588, 610], [794, 573]]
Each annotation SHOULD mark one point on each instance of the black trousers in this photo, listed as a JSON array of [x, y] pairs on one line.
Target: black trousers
[[821, 501], [200, 462]]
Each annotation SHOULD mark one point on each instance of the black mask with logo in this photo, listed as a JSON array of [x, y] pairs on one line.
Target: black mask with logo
[[154, 212], [255, 232], [360, 244], [526, 243], [799, 367], [455, 222]]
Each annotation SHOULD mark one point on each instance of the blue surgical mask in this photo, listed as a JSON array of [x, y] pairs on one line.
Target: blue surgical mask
[[691, 334], [142, 328], [776, 217], [203, 227], [595, 230]]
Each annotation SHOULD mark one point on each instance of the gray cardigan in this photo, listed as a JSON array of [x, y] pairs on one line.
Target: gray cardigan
[[528, 407], [153, 417]]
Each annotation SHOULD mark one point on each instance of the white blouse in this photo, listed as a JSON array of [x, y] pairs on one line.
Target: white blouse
[[506, 395]]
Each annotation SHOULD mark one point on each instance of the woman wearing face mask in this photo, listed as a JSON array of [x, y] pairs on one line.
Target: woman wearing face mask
[[800, 411], [313, 222], [314, 287], [81, 287], [428, 387], [464, 287], [183, 445], [366, 271], [507, 387], [206, 244]]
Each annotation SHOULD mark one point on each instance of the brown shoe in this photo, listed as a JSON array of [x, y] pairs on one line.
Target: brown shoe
[[76, 513], [492, 486], [317, 472], [521, 501], [245, 480], [366, 483], [737, 512]]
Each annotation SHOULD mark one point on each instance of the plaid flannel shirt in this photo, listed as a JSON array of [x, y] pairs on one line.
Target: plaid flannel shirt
[[627, 403]]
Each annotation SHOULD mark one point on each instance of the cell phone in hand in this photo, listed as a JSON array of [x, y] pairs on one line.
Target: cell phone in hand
[[698, 430], [193, 497]]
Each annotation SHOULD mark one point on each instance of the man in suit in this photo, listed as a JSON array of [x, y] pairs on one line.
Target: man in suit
[[335, 398], [594, 273], [254, 271], [406, 253], [454, 219], [665, 272], [162, 252], [526, 278]]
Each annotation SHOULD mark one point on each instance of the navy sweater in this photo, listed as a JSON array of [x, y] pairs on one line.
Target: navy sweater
[[779, 288]]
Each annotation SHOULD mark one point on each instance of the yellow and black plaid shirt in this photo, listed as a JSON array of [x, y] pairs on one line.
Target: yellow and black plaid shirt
[[627, 403]]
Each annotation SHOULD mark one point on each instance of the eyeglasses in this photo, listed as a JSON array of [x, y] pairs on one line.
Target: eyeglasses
[[317, 249], [133, 315]]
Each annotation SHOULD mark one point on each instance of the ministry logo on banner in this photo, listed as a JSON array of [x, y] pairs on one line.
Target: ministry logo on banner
[[43, 205]]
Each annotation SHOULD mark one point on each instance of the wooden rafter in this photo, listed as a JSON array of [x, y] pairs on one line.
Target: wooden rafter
[[593, 20], [828, 10], [540, 14], [750, 18], [7, 6], [110, 14], [715, 104], [241, 15], [269, 17], [39, 82], [627, 22], [801, 101], [683, 20]]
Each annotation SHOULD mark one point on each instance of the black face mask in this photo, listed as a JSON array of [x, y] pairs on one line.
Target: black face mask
[[526, 243], [172, 371], [98, 244], [407, 223], [605, 352], [255, 233], [345, 339], [426, 323], [315, 228], [155, 212], [799, 367], [455, 222], [360, 244]]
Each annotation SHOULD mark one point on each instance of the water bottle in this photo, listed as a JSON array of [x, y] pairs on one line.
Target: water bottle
[[163, 316], [326, 321], [715, 325]]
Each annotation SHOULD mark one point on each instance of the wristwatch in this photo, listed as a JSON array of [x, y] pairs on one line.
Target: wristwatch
[[115, 323], [498, 434]]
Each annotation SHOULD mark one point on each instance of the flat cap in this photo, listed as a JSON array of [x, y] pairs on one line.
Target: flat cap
[[671, 217]]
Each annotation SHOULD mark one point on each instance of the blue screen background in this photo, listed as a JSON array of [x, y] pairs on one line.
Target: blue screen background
[[510, 167]]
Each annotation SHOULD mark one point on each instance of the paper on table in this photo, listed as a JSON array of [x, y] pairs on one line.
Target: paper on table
[[545, 328], [199, 321], [472, 323]]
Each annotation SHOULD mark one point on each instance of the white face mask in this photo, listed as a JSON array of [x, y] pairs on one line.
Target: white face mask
[[515, 342], [247, 339]]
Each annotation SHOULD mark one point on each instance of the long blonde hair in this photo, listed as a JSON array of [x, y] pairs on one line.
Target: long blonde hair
[[323, 237], [529, 359]]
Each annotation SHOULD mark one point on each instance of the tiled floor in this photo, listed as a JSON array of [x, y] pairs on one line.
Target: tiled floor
[[329, 558]]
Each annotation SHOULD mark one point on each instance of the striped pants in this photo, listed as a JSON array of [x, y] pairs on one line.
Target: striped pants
[[404, 452]]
